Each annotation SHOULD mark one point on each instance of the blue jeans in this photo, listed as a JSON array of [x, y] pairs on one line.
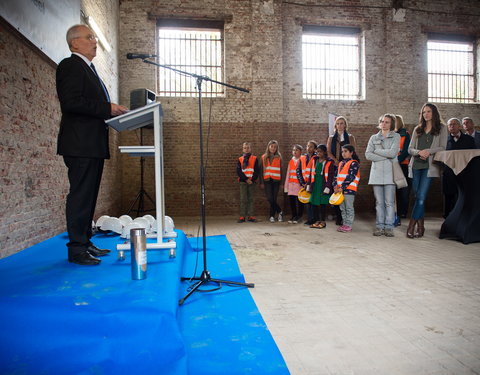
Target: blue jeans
[[385, 205], [403, 195], [420, 185]]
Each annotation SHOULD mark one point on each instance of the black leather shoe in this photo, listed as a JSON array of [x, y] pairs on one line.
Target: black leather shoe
[[84, 259], [96, 252]]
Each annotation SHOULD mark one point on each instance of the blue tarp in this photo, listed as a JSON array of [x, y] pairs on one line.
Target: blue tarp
[[61, 318]]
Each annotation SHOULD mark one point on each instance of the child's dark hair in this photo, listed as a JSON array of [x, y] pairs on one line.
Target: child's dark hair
[[322, 147], [314, 143], [352, 150]]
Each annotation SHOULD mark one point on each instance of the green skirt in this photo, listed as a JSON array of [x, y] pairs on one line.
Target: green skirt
[[317, 198]]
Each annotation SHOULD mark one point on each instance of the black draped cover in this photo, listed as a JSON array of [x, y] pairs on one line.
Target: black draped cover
[[463, 222]]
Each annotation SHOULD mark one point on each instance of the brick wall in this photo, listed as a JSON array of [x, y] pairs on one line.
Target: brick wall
[[263, 54], [33, 179]]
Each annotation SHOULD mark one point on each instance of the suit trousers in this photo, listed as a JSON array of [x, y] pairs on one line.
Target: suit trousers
[[84, 175]]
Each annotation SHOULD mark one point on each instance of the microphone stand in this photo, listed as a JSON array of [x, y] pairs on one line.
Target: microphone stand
[[205, 277]]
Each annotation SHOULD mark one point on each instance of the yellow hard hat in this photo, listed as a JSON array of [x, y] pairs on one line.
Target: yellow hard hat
[[304, 196], [336, 198]]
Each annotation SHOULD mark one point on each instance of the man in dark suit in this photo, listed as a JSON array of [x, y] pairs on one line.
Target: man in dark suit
[[469, 128], [83, 139], [456, 141]]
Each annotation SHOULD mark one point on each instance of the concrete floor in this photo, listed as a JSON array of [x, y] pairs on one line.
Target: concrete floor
[[351, 303]]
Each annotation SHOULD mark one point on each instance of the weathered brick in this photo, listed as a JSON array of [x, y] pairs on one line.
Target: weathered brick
[[262, 54]]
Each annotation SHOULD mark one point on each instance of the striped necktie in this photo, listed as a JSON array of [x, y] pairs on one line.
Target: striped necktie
[[101, 82]]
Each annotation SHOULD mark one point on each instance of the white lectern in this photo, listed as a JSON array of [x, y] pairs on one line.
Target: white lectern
[[137, 118]]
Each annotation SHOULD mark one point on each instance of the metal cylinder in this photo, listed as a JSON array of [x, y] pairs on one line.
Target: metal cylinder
[[138, 251]]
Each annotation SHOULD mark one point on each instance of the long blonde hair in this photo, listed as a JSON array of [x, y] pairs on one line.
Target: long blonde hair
[[335, 124], [399, 124], [268, 154]]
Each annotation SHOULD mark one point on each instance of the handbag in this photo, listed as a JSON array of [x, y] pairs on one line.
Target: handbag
[[398, 176]]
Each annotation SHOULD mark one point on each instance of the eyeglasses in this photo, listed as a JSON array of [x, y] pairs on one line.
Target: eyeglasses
[[89, 37]]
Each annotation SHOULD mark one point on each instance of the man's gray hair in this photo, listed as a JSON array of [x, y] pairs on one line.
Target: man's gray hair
[[73, 32], [454, 119]]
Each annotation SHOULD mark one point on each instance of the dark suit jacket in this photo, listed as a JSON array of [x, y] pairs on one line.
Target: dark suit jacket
[[465, 142], [84, 105], [477, 138]]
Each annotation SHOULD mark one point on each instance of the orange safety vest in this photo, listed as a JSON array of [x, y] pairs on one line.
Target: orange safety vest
[[313, 168], [271, 171], [402, 142], [250, 166], [343, 173], [292, 170], [306, 170], [326, 168]]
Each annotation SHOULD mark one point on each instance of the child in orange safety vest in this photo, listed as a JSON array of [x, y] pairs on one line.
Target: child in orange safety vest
[[303, 174], [320, 184], [247, 172], [292, 185], [271, 178], [403, 195], [346, 180]]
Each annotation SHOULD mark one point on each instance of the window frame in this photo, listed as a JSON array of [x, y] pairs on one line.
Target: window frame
[[457, 39], [337, 31], [200, 25]]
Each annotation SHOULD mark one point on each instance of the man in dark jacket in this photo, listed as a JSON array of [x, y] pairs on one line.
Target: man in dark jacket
[[83, 139], [456, 141], [469, 128]]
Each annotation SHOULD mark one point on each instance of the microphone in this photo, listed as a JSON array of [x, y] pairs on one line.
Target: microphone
[[131, 56]]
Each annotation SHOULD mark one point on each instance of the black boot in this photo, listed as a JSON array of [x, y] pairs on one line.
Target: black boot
[[411, 228]]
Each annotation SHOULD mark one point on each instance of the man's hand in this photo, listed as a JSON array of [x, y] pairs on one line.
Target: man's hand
[[117, 110]]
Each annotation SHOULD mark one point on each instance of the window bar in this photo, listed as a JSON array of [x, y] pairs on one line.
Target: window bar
[[186, 65], [310, 71], [314, 73], [450, 80], [210, 62], [343, 76]]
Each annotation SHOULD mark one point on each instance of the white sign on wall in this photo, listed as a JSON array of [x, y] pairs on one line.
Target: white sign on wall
[[43, 22]]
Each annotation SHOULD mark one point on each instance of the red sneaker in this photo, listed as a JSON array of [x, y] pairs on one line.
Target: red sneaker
[[241, 220]]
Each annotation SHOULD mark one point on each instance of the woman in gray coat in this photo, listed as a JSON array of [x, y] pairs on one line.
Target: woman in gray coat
[[381, 150]]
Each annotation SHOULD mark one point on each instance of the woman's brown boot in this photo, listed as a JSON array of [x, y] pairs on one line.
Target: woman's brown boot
[[411, 228], [420, 229]]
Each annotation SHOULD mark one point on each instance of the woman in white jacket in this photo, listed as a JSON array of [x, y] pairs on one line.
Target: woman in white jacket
[[381, 150]]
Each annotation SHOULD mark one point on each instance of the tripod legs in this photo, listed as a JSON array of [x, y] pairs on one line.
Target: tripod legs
[[140, 199], [142, 193], [205, 278]]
